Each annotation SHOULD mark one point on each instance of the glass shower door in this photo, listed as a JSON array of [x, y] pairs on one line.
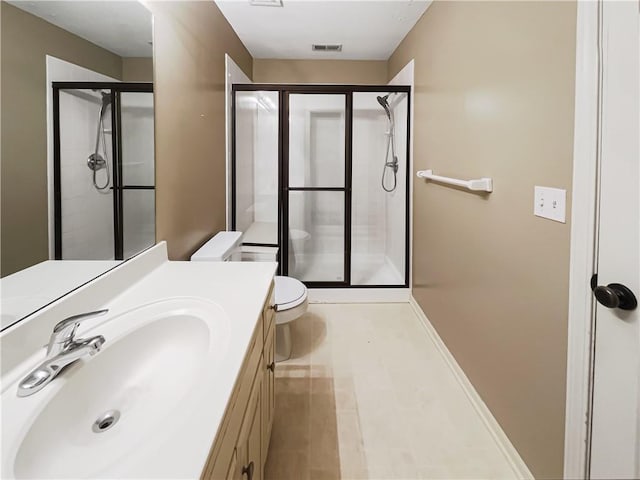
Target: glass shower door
[[256, 167], [103, 170], [316, 193], [137, 172], [379, 189], [84, 219]]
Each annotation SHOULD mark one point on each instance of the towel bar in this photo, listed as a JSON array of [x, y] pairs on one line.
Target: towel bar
[[479, 184]]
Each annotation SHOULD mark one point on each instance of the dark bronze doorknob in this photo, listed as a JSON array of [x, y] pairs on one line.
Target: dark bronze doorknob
[[615, 295]]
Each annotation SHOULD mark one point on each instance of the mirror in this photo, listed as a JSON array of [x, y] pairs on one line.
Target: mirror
[[77, 172]]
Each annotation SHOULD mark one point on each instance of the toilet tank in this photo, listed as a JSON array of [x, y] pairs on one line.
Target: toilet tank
[[254, 253], [219, 248]]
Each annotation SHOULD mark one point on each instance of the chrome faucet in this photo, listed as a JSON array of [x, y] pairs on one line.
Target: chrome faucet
[[63, 350]]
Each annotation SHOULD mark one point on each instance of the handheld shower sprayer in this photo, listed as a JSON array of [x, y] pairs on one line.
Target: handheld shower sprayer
[[384, 101], [391, 146], [97, 161]]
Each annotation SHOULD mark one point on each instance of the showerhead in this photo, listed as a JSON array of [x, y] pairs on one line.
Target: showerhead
[[106, 98], [383, 100], [385, 104]]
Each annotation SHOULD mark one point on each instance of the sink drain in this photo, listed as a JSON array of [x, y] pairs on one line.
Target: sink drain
[[106, 421]]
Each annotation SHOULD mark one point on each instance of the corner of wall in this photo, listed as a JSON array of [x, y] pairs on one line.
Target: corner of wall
[[191, 40]]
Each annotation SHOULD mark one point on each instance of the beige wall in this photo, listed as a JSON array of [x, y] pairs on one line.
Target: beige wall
[[320, 71], [26, 40], [137, 69], [190, 41], [494, 97]]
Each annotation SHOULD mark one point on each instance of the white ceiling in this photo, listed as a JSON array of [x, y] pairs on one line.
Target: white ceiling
[[367, 29], [123, 27]]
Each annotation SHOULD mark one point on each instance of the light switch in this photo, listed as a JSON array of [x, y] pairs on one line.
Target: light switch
[[550, 203]]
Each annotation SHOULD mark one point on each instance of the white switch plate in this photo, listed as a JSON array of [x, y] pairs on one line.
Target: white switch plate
[[550, 203]]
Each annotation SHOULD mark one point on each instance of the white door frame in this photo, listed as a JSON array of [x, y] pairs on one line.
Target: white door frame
[[583, 240]]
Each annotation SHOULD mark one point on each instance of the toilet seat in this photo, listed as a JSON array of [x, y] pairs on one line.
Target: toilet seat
[[290, 299], [289, 293]]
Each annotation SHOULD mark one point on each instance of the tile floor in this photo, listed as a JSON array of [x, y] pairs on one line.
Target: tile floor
[[366, 395]]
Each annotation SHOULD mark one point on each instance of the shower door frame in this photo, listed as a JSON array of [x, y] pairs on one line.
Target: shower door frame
[[284, 90], [116, 154], [286, 187]]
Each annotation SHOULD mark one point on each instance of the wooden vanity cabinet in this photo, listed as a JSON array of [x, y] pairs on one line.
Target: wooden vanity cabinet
[[248, 462], [240, 449], [268, 386]]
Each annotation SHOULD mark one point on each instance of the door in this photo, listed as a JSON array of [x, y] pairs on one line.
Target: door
[[255, 166], [249, 447], [317, 194], [233, 472], [84, 157], [268, 389], [615, 433], [136, 171]]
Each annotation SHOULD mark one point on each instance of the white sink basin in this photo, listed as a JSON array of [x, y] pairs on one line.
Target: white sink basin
[[149, 372]]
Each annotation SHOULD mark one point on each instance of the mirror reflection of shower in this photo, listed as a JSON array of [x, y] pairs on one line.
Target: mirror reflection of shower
[[390, 169], [100, 160]]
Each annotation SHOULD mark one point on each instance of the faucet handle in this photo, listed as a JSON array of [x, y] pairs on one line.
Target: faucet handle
[[65, 330]]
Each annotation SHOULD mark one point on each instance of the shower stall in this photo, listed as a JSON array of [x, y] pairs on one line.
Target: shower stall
[[103, 170], [321, 174]]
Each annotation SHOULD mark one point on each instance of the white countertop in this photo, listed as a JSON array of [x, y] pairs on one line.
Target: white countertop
[[181, 450], [241, 289]]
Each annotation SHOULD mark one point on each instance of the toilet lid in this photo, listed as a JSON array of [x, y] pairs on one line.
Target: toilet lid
[[289, 292]]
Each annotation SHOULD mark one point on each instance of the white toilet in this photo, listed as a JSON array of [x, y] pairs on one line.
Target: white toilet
[[290, 294]]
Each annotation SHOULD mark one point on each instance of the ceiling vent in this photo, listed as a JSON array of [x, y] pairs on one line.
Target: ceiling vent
[[326, 48], [266, 3]]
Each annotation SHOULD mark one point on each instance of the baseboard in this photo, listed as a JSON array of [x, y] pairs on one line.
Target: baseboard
[[359, 295], [504, 444]]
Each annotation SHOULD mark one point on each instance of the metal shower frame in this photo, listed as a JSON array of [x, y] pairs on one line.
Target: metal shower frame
[[116, 170], [283, 164]]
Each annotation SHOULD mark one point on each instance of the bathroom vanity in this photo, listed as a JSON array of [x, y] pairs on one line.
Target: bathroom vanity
[[182, 387], [242, 443]]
